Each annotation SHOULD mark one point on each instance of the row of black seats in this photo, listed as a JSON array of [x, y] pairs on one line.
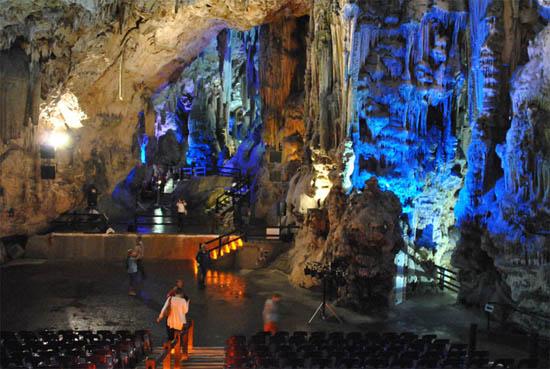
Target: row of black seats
[[356, 350], [101, 349]]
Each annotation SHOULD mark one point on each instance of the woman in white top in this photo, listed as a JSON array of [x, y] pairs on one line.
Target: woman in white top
[[175, 309]]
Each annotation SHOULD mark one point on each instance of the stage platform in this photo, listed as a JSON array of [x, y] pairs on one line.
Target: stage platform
[[89, 246]]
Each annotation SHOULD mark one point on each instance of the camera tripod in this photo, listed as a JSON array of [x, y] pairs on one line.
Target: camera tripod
[[324, 306]]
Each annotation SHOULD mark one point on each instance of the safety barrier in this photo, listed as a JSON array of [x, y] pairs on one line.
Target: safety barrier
[[447, 279], [174, 350], [225, 244]]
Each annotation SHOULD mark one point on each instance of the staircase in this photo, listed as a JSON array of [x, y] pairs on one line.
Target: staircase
[[205, 358], [199, 358], [233, 196]]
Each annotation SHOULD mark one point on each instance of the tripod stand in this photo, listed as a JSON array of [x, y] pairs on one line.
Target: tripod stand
[[324, 305]]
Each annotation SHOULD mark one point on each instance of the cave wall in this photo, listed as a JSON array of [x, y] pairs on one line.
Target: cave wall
[[432, 99], [100, 63]]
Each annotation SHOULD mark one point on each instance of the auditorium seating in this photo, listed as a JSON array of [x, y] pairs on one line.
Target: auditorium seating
[[320, 350], [68, 349]]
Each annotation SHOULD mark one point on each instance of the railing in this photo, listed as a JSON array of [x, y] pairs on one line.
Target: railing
[[531, 314], [232, 195], [74, 220], [228, 171], [232, 241], [225, 244], [535, 342], [443, 277], [202, 171], [447, 279], [192, 172], [174, 350]]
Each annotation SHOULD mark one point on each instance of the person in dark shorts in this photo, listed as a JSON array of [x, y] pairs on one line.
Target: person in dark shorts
[[204, 261]]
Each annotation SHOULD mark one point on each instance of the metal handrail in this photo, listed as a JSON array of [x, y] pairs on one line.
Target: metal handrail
[[528, 313], [165, 358], [232, 236]]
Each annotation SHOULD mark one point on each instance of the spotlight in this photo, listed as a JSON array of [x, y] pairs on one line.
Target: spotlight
[[57, 139]]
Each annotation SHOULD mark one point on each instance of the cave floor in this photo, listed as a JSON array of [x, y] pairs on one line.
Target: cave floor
[[93, 295]]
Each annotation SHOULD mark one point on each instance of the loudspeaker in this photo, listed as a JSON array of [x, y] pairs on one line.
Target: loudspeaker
[[281, 209], [275, 156], [47, 171], [47, 152]]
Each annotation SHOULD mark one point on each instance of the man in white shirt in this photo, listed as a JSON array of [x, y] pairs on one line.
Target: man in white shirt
[[174, 310], [181, 206]]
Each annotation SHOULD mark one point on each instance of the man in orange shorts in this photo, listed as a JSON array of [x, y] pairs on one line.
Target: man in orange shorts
[[271, 314]]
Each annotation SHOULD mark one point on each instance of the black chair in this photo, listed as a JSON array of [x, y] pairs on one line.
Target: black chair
[[452, 363], [503, 363], [283, 334], [427, 363], [287, 359], [354, 336], [528, 363], [404, 362], [297, 341], [317, 337], [236, 340], [477, 363], [429, 338], [265, 362], [351, 363], [418, 345], [377, 363], [319, 363], [373, 337]]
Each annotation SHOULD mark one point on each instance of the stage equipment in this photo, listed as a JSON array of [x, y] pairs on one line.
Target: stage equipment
[[47, 171], [331, 274]]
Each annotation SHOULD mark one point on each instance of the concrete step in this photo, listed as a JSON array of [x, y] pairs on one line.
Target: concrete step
[[199, 358]]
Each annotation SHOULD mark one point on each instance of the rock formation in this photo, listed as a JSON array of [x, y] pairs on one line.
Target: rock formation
[[109, 57]]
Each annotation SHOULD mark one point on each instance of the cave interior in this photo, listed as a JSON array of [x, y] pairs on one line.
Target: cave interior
[[397, 135]]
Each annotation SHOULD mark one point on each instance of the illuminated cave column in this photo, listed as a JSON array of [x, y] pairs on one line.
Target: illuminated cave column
[[481, 108]]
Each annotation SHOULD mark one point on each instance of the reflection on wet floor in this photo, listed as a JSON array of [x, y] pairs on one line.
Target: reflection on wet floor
[[223, 285]]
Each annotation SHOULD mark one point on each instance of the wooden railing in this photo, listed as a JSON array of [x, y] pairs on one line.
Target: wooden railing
[[447, 279], [174, 350]]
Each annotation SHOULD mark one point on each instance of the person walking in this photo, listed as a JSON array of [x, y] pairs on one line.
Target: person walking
[[270, 314], [179, 286], [138, 249], [175, 311], [181, 206], [204, 261], [132, 269]]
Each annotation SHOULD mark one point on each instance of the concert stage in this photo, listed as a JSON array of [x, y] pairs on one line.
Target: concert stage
[[88, 246]]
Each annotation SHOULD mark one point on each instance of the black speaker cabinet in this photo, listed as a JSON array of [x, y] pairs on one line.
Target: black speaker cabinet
[[47, 171], [47, 152], [275, 156]]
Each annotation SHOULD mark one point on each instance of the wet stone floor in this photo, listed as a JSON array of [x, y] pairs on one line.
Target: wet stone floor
[[94, 295]]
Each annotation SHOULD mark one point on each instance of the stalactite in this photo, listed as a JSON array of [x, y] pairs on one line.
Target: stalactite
[[479, 31], [121, 61]]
